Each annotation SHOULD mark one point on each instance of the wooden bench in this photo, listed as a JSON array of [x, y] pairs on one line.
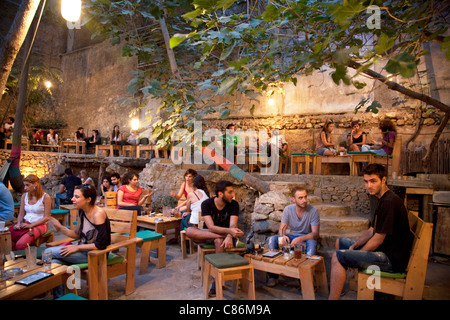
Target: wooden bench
[[409, 285], [108, 149], [392, 162], [44, 146], [304, 269]]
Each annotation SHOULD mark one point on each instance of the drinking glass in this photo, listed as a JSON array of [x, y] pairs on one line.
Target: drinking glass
[[47, 260], [299, 249], [287, 251], [30, 253]]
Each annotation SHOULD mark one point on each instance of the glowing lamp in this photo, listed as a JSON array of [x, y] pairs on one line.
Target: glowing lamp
[[134, 124], [71, 9]]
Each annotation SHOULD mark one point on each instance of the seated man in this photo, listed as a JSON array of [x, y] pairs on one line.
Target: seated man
[[115, 181], [66, 188], [304, 223], [386, 244], [6, 204], [220, 214]]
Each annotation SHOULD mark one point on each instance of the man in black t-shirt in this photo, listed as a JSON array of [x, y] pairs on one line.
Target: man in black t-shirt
[[386, 244], [66, 188], [221, 218]]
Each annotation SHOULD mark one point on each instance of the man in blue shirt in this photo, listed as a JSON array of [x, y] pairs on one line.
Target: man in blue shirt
[[6, 204], [66, 188]]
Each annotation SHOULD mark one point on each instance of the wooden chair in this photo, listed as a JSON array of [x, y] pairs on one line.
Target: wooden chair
[[227, 266], [300, 158], [111, 199], [409, 285], [100, 266], [284, 159]]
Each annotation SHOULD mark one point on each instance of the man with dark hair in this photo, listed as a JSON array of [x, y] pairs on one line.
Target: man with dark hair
[[386, 244], [115, 181], [220, 214], [304, 224], [66, 188], [231, 141]]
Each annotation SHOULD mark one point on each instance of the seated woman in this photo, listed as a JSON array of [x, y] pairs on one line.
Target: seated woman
[[85, 179], [106, 186], [38, 136], [193, 203], [93, 231], [187, 186], [115, 136], [34, 214], [383, 146], [129, 195], [94, 140], [79, 134], [52, 137], [357, 138], [324, 144], [133, 138]]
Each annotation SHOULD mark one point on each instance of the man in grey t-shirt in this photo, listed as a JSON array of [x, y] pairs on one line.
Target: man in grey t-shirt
[[304, 224]]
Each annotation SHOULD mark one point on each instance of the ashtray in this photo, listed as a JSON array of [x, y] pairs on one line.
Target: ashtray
[[10, 273], [159, 220]]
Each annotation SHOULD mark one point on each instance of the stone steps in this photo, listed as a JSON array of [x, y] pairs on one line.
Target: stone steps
[[332, 210], [343, 225]]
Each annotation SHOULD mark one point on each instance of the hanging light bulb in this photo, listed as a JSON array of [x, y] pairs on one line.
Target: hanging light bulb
[[48, 84], [134, 124], [71, 9]]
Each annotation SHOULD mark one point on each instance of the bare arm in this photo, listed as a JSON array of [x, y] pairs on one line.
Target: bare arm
[[313, 235]]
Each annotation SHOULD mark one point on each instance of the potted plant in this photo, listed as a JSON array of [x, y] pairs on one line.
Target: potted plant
[[168, 203]]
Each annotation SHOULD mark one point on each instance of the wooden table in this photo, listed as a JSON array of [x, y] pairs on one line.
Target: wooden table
[[24, 141], [146, 147], [131, 148], [73, 214], [5, 242], [80, 146], [14, 291], [160, 227], [43, 146], [332, 159], [302, 269], [108, 149]]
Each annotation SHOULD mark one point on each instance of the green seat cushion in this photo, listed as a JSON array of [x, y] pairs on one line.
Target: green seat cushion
[[397, 275], [16, 204], [360, 152], [303, 154], [148, 235], [112, 259], [71, 296], [240, 244], [58, 211], [226, 260], [38, 252]]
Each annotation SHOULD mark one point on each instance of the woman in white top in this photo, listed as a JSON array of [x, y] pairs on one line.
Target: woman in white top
[[193, 203], [52, 137], [85, 179], [33, 215]]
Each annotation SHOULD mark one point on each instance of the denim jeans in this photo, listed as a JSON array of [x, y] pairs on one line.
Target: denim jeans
[[380, 152], [311, 245], [361, 259], [74, 258], [58, 198]]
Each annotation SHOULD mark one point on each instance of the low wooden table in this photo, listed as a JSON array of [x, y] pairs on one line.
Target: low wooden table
[[302, 269], [44, 146], [160, 227], [80, 146], [131, 148], [12, 291], [73, 214], [332, 159], [146, 147], [24, 142], [108, 149]]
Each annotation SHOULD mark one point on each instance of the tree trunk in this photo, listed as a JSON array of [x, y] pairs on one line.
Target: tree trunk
[[15, 38], [426, 160]]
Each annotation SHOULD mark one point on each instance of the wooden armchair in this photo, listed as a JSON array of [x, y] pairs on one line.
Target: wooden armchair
[[111, 199], [409, 285], [104, 264]]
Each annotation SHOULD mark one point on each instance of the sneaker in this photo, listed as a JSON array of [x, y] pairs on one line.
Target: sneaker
[[272, 282]]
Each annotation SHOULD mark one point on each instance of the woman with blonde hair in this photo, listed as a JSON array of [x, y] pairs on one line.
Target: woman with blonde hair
[[33, 216]]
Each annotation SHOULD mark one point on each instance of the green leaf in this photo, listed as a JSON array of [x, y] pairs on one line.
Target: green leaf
[[374, 107], [271, 13], [177, 39], [384, 43], [404, 63]]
